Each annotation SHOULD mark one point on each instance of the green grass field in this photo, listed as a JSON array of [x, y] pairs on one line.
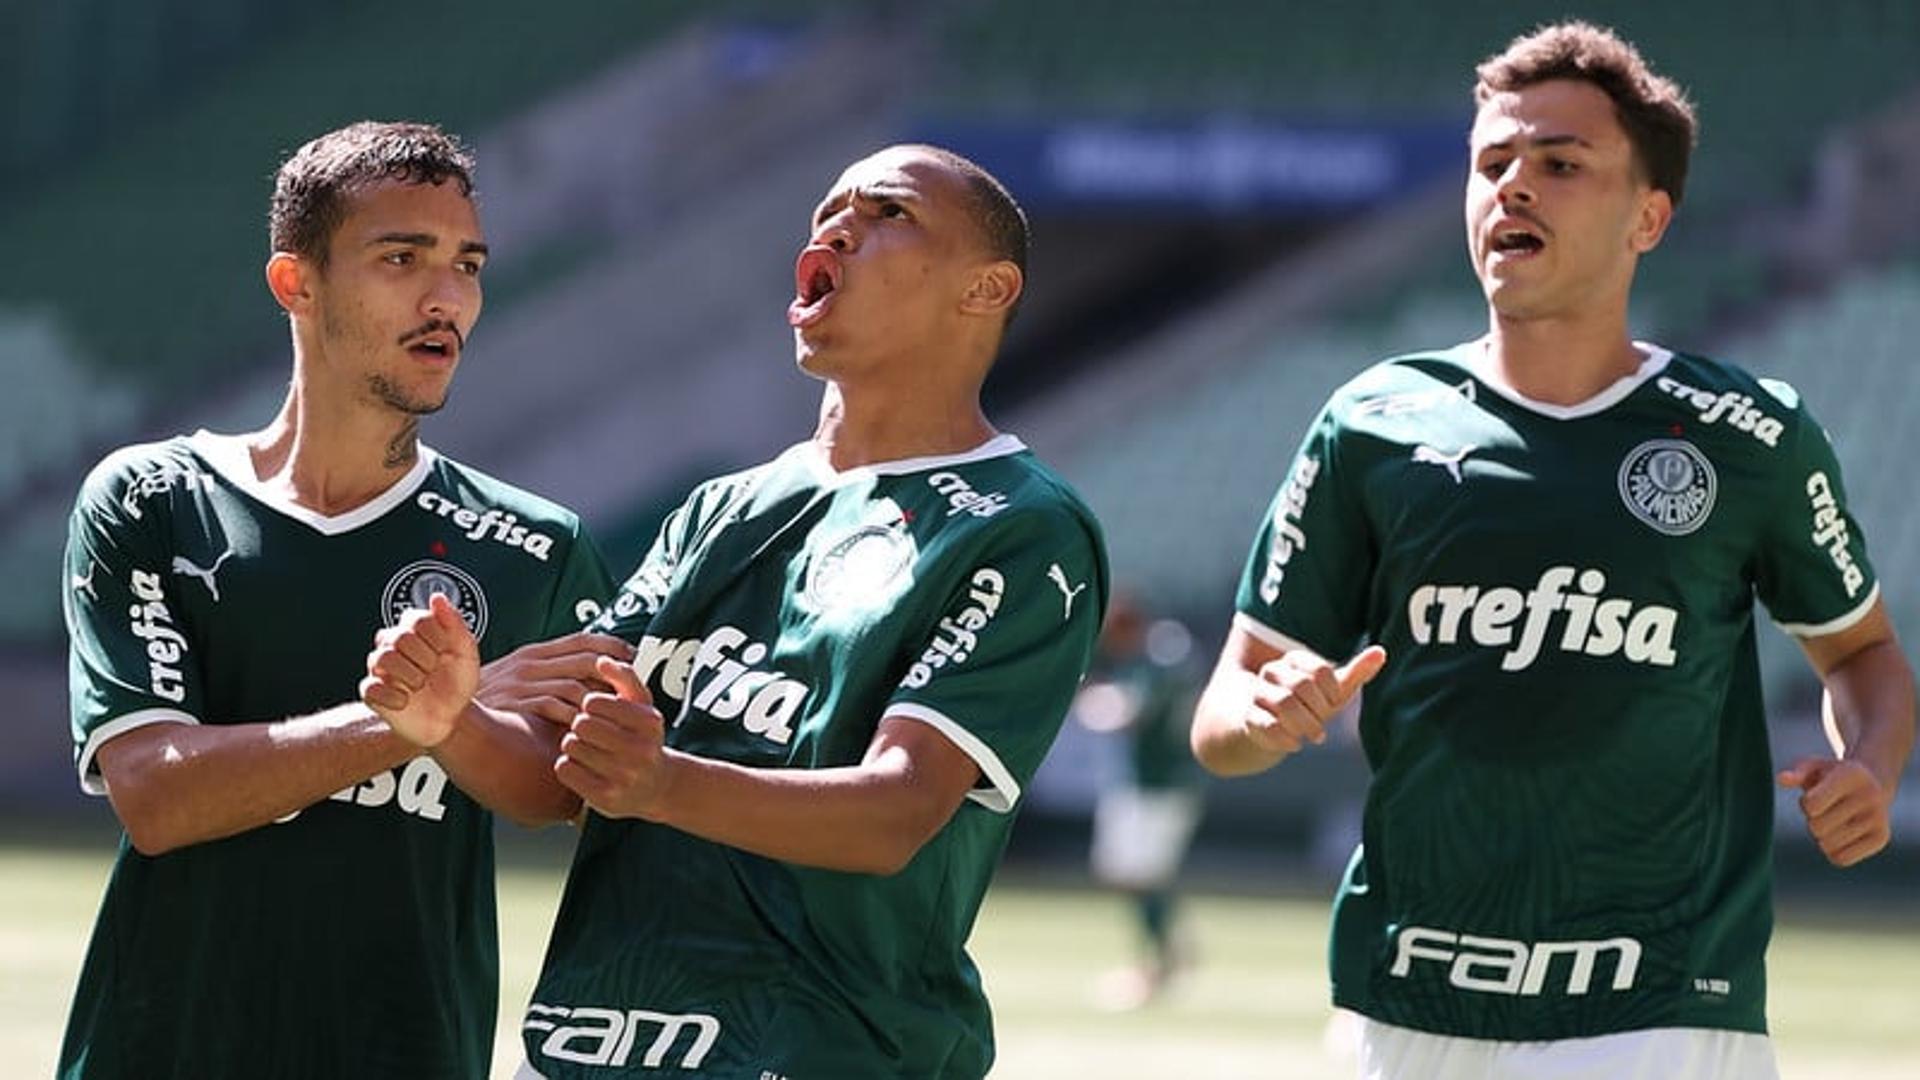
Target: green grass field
[[1846, 1002]]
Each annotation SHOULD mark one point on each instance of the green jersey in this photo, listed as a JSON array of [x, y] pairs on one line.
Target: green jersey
[[782, 613], [356, 937], [1160, 697], [1568, 831]]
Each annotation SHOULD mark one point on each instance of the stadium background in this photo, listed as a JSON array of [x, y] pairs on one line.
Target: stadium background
[[1237, 205]]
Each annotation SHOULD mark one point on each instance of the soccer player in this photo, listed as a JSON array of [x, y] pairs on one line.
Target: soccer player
[[850, 659], [303, 889], [1552, 538], [1142, 689]]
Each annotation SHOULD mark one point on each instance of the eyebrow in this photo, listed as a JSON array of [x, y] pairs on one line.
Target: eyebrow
[[879, 192], [1544, 140], [426, 240]]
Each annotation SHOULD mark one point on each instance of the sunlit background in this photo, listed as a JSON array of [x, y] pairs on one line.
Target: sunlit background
[[1237, 206]]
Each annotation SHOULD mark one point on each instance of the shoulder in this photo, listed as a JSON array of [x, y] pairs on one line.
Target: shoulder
[[1017, 494], [1717, 393], [480, 491], [726, 488], [127, 479], [140, 459], [1407, 383]]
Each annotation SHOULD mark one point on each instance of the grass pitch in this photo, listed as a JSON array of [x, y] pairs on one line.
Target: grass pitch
[[1844, 996]]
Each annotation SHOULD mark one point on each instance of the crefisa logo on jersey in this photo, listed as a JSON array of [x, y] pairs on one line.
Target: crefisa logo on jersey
[[963, 499], [958, 635], [490, 524], [1288, 538], [645, 591], [1668, 484], [720, 675], [417, 582]]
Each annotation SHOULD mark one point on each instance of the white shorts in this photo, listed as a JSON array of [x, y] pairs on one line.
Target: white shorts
[[1396, 1053], [1140, 835], [525, 1072]]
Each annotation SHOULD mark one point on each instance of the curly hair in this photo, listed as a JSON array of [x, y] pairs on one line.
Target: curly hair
[[1652, 109]]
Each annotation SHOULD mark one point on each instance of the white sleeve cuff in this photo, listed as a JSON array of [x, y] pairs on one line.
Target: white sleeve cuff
[[91, 781], [1834, 626], [1002, 792], [1261, 631]]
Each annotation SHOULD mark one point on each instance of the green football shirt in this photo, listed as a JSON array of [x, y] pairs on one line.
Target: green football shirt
[[782, 613], [1568, 831], [1159, 699], [355, 938]]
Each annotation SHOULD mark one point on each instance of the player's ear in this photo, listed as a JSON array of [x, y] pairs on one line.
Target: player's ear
[[995, 287], [289, 279], [1655, 214]]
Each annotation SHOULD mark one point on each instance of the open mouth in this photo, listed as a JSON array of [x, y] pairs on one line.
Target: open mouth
[[1516, 241], [436, 345], [816, 277]]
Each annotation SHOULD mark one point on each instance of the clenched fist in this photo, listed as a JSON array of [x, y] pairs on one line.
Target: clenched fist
[[422, 673]]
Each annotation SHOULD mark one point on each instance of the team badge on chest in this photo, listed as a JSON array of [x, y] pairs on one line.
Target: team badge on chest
[[862, 567], [1668, 484], [415, 584]]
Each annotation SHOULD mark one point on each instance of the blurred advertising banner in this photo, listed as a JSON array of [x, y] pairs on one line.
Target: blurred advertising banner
[[1209, 165]]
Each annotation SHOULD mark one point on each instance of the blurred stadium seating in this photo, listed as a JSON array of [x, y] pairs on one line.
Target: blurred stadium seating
[[1770, 76], [646, 170]]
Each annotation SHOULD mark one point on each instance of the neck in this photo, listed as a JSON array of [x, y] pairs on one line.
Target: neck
[[1561, 361], [863, 426], [333, 460]]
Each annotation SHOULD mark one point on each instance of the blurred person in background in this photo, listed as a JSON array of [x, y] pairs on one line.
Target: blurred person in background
[[850, 660], [303, 889], [1542, 547], [1141, 690]]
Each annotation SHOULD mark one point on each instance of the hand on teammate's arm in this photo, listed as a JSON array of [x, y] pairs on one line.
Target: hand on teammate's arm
[[173, 785], [867, 818], [494, 729], [1847, 799], [1263, 703], [548, 679]]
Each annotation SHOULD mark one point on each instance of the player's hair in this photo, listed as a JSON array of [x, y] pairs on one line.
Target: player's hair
[[998, 217], [1652, 109], [313, 189]]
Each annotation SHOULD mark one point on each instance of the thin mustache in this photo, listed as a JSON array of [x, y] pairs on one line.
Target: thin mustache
[[1526, 216], [432, 326]]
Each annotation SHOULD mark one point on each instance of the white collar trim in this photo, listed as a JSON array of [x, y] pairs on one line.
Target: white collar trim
[[1473, 356], [229, 457], [999, 446]]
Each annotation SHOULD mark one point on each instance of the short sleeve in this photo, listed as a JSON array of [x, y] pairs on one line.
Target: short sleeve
[[1308, 574], [1811, 570], [130, 661], [1003, 661], [638, 601], [583, 587]]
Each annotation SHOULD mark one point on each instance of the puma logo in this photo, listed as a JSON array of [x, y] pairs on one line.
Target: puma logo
[[181, 565], [1427, 455], [1067, 590], [85, 583]]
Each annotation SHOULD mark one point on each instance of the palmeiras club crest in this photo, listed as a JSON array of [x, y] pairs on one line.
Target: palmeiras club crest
[[862, 567], [414, 585], [1668, 484]]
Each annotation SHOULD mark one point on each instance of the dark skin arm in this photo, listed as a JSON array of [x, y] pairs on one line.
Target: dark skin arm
[[868, 818]]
